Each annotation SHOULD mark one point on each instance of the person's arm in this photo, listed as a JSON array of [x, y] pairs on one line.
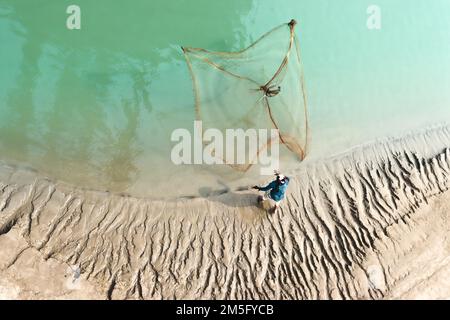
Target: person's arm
[[268, 187]]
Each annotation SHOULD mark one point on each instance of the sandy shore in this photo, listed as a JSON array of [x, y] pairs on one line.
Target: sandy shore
[[369, 224]]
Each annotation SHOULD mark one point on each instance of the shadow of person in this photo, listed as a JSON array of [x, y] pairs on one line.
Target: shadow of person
[[240, 198]]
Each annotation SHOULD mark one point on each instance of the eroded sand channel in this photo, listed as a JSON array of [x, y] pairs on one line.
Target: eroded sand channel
[[372, 223]]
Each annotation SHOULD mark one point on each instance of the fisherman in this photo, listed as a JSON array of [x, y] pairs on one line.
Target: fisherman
[[274, 190]]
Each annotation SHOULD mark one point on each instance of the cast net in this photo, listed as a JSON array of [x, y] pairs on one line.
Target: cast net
[[260, 87]]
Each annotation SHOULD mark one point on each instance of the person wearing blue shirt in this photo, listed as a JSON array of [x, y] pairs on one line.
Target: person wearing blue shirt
[[275, 190]]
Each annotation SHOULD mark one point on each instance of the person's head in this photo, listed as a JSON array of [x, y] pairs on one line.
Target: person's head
[[281, 179]]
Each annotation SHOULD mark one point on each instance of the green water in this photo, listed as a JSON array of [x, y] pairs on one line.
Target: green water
[[95, 107]]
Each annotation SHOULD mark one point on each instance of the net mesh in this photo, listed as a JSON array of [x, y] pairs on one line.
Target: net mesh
[[260, 87]]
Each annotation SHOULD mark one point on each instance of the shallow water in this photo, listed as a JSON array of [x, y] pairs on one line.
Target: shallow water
[[95, 107]]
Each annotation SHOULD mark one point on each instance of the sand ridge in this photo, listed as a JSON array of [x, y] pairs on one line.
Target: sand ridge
[[352, 227]]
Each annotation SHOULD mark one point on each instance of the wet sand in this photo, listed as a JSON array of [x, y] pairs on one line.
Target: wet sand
[[368, 224]]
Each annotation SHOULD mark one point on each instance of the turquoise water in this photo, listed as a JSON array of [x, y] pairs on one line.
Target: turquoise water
[[95, 107]]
